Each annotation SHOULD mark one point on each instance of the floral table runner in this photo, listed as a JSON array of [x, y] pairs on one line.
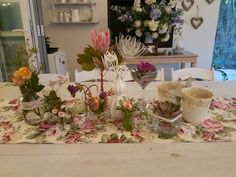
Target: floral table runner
[[220, 126]]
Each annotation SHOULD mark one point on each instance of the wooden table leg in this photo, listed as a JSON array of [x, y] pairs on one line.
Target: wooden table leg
[[193, 65], [182, 65]]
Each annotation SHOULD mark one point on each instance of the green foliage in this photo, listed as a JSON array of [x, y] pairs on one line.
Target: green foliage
[[34, 83], [86, 59], [23, 55], [52, 100]]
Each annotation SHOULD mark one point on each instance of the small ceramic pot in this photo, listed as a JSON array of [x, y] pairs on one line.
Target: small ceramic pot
[[167, 91], [195, 104]]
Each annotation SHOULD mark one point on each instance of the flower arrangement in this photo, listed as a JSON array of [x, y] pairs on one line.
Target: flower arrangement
[[27, 80], [144, 73], [93, 55], [156, 17], [95, 104], [128, 106]]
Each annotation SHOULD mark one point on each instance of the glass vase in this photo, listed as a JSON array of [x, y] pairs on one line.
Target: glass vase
[[127, 120], [118, 89], [166, 127], [31, 105]]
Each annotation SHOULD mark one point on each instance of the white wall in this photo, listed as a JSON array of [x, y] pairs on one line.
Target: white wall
[[74, 37], [201, 41]]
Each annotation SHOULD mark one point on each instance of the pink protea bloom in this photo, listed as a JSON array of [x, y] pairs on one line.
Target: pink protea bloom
[[101, 40]]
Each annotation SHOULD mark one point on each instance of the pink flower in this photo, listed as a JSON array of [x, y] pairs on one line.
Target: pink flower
[[73, 138], [208, 136], [45, 125], [212, 125], [101, 40], [221, 105], [127, 105], [145, 67], [61, 114], [6, 125]]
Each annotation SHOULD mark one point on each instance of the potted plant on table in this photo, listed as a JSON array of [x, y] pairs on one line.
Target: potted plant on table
[[167, 117]]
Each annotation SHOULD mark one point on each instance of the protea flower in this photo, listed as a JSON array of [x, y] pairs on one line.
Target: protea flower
[[101, 40]]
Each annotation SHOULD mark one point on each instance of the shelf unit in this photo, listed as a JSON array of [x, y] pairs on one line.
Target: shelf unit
[[63, 9]]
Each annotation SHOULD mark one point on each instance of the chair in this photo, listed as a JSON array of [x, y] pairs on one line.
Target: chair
[[83, 76], [46, 77], [194, 73]]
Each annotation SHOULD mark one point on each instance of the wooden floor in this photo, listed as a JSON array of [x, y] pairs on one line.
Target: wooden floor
[[119, 160]]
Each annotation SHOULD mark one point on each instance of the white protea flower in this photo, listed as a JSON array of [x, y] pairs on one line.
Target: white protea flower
[[155, 35], [163, 28], [137, 23], [129, 47], [166, 38], [138, 32], [153, 25], [110, 60], [150, 2]]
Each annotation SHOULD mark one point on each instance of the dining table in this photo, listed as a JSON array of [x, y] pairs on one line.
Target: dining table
[[195, 152]]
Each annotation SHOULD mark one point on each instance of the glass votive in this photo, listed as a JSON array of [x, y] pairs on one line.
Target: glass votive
[[166, 127]]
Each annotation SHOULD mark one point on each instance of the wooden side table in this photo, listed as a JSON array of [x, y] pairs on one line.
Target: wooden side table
[[185, 57]]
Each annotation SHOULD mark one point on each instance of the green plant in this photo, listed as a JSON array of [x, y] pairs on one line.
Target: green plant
[[166, 109]]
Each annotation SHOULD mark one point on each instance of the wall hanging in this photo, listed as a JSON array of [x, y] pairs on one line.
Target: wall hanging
[[209, 1], [187, 4], [197, 21]]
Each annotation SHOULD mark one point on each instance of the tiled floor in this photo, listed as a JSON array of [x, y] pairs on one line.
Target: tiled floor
[[231, 74]]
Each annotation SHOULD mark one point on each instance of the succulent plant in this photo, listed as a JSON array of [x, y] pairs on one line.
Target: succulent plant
[[166, 109]]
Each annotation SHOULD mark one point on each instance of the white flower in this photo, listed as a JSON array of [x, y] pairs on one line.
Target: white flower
[[137, 6], [138, 33], [163, 28], [155, 35], [109, 60], [168, 9], [137, 23], [172, 3], [153, 25], [145, 23], [167, 37], [55, 111], [150, 2]]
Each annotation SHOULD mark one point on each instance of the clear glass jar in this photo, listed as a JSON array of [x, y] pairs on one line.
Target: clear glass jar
[[31, 105], [166, 127]]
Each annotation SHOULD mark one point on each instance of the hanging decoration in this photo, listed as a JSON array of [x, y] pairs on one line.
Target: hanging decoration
[[197, 21], [210, 1], [187, 4]]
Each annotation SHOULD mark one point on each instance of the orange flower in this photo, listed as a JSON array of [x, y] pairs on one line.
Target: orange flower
[[94, 103], [25, 73], [17, 78], [128, 105]]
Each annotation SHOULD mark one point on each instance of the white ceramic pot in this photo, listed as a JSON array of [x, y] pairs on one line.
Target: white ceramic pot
[[195, 104], [168, 91]]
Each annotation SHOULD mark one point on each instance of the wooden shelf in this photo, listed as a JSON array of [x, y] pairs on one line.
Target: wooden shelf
[[93, 22], [11, 34], [74, 3]]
